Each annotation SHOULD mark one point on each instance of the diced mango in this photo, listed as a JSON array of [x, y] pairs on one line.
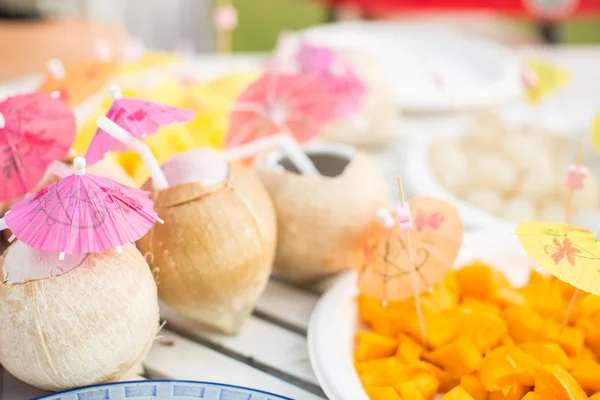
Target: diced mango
[[588, 305], [368, 308], [383, 376], [479, 280], [595, 396], [445, 379], [372, 345], [592, 334], [524, 324], [380, 363], [458, 357], [478, 305], [440, 329], [409, 391], [507, 367], [381, 393], [569, 338], [554, 382], [543, 294], [507, 341], [587, 373], [587, 354], [485, 330], [409, 351], [532, 396], [474, 387], [427, 383], [546, 353], [506, 296], [458, 393], [515, 393]]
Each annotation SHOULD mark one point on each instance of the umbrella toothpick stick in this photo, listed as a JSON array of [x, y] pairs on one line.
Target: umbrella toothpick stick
[[413, 270], [574, 181], [225, 20], [158, 177], [286, 143]]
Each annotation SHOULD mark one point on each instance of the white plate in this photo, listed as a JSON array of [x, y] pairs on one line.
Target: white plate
[[420, 179], [333, 323], [478, 73]]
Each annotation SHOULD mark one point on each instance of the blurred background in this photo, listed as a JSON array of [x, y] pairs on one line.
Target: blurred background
[[31, 30]]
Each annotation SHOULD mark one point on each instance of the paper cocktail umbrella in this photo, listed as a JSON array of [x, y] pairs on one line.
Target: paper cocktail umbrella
[[293, 105], [417, 248], [569, 253], [77, 83], [80, 214], [334, 72], [129, 119], [35, 131]]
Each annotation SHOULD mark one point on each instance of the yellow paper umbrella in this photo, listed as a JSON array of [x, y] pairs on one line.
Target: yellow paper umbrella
[[544, 79], [569, 253]]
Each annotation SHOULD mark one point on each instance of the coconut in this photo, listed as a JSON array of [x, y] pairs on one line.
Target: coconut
[[90, 325], [376, 122], [321, 220], [214, 254]]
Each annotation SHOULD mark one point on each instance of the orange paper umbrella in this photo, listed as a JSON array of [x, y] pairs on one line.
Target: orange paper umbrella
[[436, 236], [77, 83]]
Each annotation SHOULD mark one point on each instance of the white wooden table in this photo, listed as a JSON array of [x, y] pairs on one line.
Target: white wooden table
[[270, 352]]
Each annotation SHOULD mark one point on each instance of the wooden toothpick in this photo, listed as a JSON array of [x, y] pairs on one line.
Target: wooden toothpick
[[413, 270]]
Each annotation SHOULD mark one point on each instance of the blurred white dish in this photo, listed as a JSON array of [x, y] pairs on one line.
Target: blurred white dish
[[477, 73], [333, 323]]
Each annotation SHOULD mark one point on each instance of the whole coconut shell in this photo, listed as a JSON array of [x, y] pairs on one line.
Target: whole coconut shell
[[322, 220], [214, 254], [91, 325]]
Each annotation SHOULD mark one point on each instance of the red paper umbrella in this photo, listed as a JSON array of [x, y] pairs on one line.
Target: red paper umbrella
[[295, 104], [35, 130]]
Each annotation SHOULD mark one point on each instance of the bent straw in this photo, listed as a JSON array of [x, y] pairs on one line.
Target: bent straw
[[158, 177], [285, 142], [412, 268]]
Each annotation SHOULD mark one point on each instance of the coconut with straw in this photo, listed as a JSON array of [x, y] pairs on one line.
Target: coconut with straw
[[214, 255], [61, 311], [325, 195]]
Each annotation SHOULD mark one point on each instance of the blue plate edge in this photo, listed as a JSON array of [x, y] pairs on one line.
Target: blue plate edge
[[278, 396]]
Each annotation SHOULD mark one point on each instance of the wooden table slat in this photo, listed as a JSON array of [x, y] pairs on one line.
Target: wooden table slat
[[287, 304], [186, 360], [259, 341]]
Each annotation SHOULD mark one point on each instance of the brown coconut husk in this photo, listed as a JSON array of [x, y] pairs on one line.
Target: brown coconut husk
[[322, 220], [214, 254], [91, 325]]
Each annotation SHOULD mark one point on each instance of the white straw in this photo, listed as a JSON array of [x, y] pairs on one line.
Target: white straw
[[286, 143], [158, 177], [3, 225], [59, 169], [386, 218]]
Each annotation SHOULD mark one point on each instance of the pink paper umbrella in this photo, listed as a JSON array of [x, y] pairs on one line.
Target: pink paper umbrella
[[35, 131], [294, 104], [138, 117], [81, 214], [334, 72]]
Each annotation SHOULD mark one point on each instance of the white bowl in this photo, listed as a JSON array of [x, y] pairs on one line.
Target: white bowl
[[477, 73], [333, 323]]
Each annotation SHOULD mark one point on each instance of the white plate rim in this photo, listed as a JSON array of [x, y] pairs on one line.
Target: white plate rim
[[504, 89]]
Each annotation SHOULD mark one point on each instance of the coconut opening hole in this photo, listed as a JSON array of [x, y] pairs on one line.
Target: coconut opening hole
[[328, 164]]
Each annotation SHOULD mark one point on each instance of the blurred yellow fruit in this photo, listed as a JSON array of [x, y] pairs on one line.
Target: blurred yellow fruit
[[151, 59], [596, 133]]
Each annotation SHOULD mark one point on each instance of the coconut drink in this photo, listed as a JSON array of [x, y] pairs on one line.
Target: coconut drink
[[213, 257], [322, 219], [75, 259], [74, 349]]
